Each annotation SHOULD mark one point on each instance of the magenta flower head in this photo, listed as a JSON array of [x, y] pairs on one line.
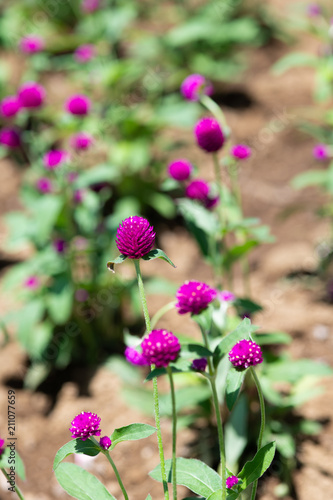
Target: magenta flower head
[[244, 354], [85, 425], [231, 481], [54, 158], [193, 297], [32, 283], [59, 245], [10, 137], [226, 296], [199, 364], [88, 6], [84, 53], [241, 151], [44, 185], [31, 95], [135, 357], [320, 152], [198, 189], [195, 85], [78, 104], [313, 10], [105, 442], [81, 141], [31, 44], [160, 348], [209, 135], [2, 446], [10, 106], [180, 170], [135, 237]]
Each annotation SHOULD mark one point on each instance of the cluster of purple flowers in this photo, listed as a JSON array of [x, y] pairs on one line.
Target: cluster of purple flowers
[[86, 425]]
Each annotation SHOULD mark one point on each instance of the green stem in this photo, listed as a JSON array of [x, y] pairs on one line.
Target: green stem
[[216, 111], [262, 423], [218, 175], [157, 316], [155, 388], [211, 372], [122, 487], [17, 489], [174, 433]]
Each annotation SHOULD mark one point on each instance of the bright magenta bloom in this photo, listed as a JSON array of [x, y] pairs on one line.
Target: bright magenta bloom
[[241, 151], [198, 189], [10, 106], [180, 170], [32, 283], [135, 357], [194, 85], [85, 425], [231, 481], [31, 95], [52, 159], [90, 5], [44, 185], [81, 141], [84, 53], [59, 245], [31, 44], [135, 237], [209, 135], [194, 296], [199, 364], [105, 442], [10, 137], [78, 104], [160, 348], [320, 152], [244, 354]]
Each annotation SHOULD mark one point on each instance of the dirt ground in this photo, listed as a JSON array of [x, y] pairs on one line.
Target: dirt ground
[[280, 152]]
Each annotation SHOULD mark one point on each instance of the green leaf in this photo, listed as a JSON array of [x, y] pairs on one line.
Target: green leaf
[[237, 252], [195, 350], [158, 254], [310, 178], [293, 370], [60, 299], [149, 497], [193, 474], [255, 468], [272, 338], [131, 432], [119, 260], [217, 495], [236, 432], [19, 466], [87, 447], [182, 366], [234, 383], [295, 59], [243, 331], [80, 484]]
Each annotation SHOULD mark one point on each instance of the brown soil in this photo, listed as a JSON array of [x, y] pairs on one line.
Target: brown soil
[[292, 306]]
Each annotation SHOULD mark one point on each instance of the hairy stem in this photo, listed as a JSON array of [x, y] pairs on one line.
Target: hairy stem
[[262, 422]]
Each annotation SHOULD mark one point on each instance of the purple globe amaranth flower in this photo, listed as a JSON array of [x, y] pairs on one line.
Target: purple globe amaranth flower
[[78, 195], [88, 6], [81, 295], [32, 282], [198, 189], [135, 357], [241, 151], [2, 446], [44, 185], [31, 44], [85, 425], [313, 10], [231, 481], [78, 104], [244, 354], [10, 137], [160, 348], [59, 245], [193, 297], [135, 237], [105, 442], [81, 141], [199, 364], [195, 85], [180, 170], [54, 158], [84, 53], [31, 95], [226, 296], [10, 106], [211, 201], [209, 134], [320, 152]]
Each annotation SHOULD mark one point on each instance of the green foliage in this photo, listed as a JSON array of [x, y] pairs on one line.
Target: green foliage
[[131, 432]]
